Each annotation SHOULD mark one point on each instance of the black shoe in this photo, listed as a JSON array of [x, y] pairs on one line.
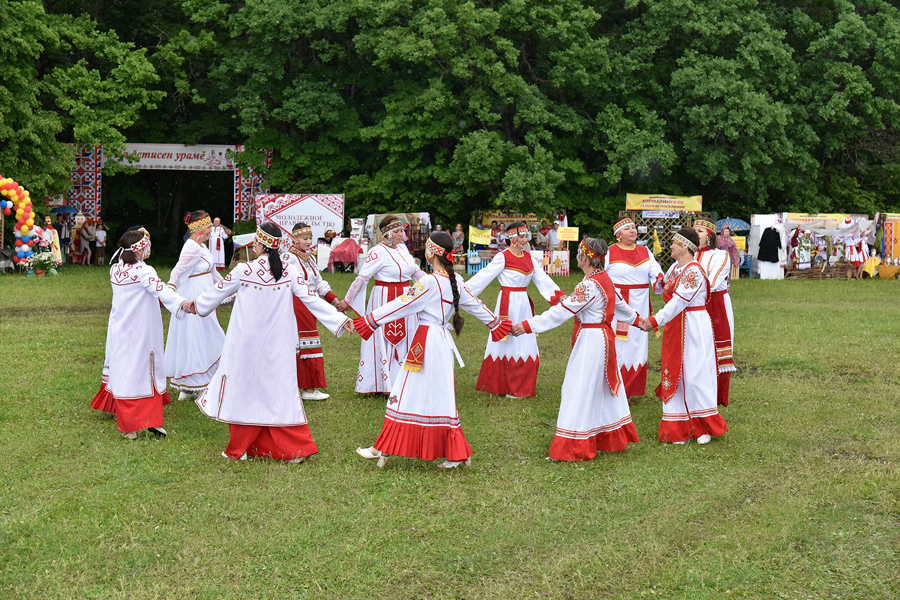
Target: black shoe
[[157, 431]]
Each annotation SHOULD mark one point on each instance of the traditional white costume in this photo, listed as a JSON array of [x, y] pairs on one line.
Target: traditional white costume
[[135, 378], [510, 366], [717, 266], [688, 386], [593, 414], [382, 355], [310, 361], [421, 419], [634, 272], [255, 388], [217, 237], [195, 344]]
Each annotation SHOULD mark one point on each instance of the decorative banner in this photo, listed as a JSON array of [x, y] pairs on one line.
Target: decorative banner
[[320, 211], [479, 236], [87, 180], [662, 202], [568, 234], [247, 186], [507, 218], [178, 157], [661, 214]]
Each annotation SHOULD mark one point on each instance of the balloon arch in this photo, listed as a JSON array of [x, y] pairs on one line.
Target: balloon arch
[[17, 198]]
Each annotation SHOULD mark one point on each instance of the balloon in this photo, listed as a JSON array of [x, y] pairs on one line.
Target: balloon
[[18, 242], [7, 212], [29, 254], [29, 222], [26, 238], [30, 243], [31, 214], [24, 229]]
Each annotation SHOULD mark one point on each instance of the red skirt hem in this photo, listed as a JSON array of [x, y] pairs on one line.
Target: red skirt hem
[[418, 441], [501, 376], [279, 443], [104, 400], [680, 431], [562, 448], [135, 414], [635, 380], [310, 372]]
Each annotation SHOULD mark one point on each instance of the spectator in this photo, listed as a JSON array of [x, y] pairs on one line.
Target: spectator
[[726, 243], [459, 238], [553, 237], [100, 236], [88, 242], [62, 228]]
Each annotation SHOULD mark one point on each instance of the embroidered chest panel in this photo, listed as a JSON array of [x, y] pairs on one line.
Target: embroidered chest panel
[[520, 264]]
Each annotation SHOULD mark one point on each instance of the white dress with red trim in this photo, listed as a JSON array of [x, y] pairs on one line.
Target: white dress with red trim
[[634, 272], [310, 360], [688, 386], [421, 419], [134, 347], [217, 237], [593, 413], [717, 264], [255, 388], [510, 366], [194, 345], [382, 355]]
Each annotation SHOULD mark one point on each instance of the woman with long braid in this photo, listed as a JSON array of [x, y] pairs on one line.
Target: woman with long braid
[[421, 420], [255, 389]]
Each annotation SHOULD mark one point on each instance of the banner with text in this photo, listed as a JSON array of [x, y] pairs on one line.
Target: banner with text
[[179, 157], [479, 236], [507, 218], [663, 202], [320, 211], [568, 234]]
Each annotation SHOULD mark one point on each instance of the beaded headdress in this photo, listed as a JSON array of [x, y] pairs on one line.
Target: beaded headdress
[[583, 248], [680, 239], [266, 239], [438, 250], [514, 231], [301, 232], [392, 227], [141, 243], [705, 224], [621, 224], [200, 224]]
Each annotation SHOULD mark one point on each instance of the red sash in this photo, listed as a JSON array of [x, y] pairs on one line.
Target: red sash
[[624, 291], [415, 358], [395, 331], [721, 329], [673, 340], [609, 292], [218, 243]]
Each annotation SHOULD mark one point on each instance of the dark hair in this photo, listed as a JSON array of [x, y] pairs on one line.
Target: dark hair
[[690, 235], [712, 240], [195, 216], [443, 239], [387, 221], [299, 225], [275, 265], [599, 246], [128, 238]]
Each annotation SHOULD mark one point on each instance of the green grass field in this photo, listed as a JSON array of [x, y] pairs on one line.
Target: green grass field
[[801, 499]]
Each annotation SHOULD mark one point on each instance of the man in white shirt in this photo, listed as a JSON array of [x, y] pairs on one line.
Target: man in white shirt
[[553, 237]]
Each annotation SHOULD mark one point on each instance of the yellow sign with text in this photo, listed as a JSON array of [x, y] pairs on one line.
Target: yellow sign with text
[[568, 234], [663, 202], [479, 236], [740, 241]]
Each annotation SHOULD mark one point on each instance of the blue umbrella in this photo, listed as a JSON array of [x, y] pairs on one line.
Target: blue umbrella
[[733, 224], [64, 209]]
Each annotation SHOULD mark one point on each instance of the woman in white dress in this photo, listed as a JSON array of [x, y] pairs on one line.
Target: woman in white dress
[[635, 273], [593, 413], [717, 266], [255, 388], [510, 366], [194, 345], [392, 267], [688, 386], [310, 360], [134, 385], [421, 420]]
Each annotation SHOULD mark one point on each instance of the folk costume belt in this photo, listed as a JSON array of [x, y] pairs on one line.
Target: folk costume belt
[[624, 291], [200, 274], [395, 331]]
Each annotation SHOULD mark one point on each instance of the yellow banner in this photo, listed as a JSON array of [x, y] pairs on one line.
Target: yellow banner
[[892, 216], [741, 242], [806, 217], [568, 234], [479, 236], [662, 202], [507, 218]]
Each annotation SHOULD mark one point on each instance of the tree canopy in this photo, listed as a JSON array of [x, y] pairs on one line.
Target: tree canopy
[[450, 107]]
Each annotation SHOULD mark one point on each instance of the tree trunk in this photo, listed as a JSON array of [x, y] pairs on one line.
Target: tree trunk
[[175, 220]]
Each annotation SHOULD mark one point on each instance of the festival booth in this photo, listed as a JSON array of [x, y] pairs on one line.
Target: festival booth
[[322, 212], [889, 246], [659, 217], [416, 229], [555, 262]]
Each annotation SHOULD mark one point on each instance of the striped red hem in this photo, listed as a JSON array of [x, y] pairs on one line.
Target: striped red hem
[[501, 376], [564, 448], [694, 427], [421, 441], [104, 400]]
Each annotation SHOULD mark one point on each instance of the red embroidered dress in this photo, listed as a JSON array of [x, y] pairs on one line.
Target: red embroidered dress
[[310, 361], [510, 366]]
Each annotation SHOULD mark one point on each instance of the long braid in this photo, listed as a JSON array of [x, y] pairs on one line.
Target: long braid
[[275, 265], [458, 321]]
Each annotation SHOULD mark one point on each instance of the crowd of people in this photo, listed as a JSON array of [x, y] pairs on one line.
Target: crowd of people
[[256, 376]]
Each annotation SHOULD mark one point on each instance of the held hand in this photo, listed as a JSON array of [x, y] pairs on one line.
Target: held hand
[[517, 330], [189, 307], [348, 326], [341, 306]]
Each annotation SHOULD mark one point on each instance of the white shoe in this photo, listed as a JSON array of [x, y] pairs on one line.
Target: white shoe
[[243, 456], [297, 461], [370, 452], [314, 395], [187, 395], [704, 439], [683, 442], [131, 435], [158, 431], [511, 396], [452, 464]]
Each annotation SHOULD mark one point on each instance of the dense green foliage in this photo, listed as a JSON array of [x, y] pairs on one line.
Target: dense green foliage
[[450, 106]]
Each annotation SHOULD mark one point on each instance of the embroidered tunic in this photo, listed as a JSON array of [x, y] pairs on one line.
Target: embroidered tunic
[[593, 413], [510, 366], [310, 361], [194, 345], [135, 386], [217, 237], [256, 384], [688, 386], [382, 355], [421, 419], [634, 272]]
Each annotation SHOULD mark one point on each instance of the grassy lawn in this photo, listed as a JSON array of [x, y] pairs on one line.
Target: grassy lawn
[[801, 499]]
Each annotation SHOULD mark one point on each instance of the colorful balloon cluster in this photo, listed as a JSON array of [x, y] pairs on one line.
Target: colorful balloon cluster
[[17, 198]]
